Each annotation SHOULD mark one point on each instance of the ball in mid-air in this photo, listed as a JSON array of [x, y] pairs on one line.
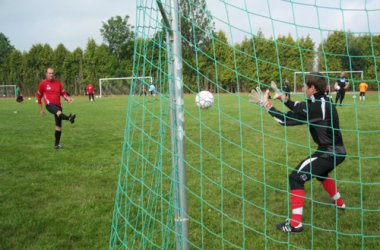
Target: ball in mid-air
[[204, 99]]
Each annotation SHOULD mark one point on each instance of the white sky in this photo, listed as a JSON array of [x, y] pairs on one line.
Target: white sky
[[73, 22], [278, 17], [70, 22]]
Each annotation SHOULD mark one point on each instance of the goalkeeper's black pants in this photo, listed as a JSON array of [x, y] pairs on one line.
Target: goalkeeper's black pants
[[318, 165], [340, 96]]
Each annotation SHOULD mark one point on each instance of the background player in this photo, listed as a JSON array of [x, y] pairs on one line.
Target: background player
[[341, 86], [286, 88], [323, 121], [152, 90], [19, 97], [143, 90], [362, 89], [51, 91], [90, 92]]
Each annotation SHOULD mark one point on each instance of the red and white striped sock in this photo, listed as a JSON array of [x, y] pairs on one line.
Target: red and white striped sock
[[330, 187], [297, 200]]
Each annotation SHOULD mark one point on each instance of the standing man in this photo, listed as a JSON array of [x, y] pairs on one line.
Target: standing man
[[286, 88], [341, 86], [19, 97], [322, 119], [90, 92], [152, 89], [143, 90], [51, 91], [362, 88]]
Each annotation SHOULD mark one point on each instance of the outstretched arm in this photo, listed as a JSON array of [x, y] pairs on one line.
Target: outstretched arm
[[260, 99], [279, 95], [297, 115]]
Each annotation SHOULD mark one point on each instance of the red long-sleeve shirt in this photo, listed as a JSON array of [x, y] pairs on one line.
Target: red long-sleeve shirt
[[51, 92]]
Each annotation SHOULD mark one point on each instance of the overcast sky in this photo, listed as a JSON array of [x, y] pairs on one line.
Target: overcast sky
[[299, 18], [73, 22], [70, 22]]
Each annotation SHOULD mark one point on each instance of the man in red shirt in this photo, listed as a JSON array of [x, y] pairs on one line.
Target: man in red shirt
[[90, 92], [51, 91]]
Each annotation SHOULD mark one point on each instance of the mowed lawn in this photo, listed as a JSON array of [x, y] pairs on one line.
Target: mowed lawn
[[64, 199]]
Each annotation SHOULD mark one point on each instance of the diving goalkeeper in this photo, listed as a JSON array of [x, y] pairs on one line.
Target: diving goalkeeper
[[323, 120]]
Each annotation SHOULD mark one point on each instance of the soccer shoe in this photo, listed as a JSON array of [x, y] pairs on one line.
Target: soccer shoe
[[343, 207], [72, 118], [58, 146], [286, 227]]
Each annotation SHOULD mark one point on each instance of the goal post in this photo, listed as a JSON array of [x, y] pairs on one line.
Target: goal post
[[8, 90], [147, 79], [349, 72]]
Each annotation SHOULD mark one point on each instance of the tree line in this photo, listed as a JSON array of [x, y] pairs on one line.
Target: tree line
[[209, 59]]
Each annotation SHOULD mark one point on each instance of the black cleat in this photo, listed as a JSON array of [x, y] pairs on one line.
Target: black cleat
[[72, 118], [286, 227], [58, 146]]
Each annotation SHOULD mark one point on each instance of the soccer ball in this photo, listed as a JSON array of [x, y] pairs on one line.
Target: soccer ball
[[204, 99]]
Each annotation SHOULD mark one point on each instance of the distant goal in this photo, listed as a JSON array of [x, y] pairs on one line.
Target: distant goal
[[123, 85], [7, 90], [298, 80]]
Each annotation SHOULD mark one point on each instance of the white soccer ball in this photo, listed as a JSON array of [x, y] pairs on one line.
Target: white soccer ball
[[204, 99], [337, 88]]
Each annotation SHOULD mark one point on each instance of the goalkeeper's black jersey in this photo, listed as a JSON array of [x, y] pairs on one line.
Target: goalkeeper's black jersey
[[322, 117], [342, 82]]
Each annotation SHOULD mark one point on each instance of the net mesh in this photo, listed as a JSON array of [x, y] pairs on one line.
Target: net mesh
[[123, 86], [237, 158]]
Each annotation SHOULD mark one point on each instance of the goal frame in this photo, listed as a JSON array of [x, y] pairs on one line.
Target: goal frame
[[121, 78], [324, 72], [10, 85]]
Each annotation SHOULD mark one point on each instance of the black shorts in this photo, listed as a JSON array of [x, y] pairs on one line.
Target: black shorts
[[318, 165], [54, 109], [362, 93]]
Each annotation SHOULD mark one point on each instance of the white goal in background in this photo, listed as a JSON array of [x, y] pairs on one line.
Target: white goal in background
[[121, 85], [336, 75], [7, 90]]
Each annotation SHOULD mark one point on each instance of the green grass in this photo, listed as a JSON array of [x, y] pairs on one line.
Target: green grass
[[59, 199], [64, 199]]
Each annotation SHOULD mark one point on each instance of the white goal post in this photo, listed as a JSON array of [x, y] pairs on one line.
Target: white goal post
[[4, 90], [327, 72], [101, 80]]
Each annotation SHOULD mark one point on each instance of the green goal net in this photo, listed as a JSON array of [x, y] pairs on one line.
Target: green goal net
[[217, 178]]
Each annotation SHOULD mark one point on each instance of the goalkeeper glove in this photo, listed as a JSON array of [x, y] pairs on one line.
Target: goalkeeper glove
[[278, 94], [260, 99]]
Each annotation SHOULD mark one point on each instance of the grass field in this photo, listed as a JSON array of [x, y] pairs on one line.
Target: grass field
[[64, 199]]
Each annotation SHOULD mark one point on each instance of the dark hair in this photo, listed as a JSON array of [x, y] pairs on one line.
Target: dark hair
[[318, 80]]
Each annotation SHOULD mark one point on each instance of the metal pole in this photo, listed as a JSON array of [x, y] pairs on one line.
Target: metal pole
[[182, 220], [177, 122], [100, 88]]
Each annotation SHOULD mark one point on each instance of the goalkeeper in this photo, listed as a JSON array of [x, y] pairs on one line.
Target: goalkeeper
[[51, 91], [322, 117]]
